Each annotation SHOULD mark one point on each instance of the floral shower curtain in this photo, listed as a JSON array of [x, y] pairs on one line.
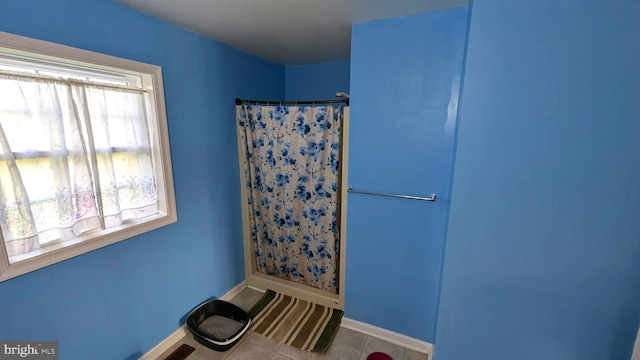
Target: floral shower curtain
[[291, 168]]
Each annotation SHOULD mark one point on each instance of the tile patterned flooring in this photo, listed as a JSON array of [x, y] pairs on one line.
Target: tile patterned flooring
[[347, 345]]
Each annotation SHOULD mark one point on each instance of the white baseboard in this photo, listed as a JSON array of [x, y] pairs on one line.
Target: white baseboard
[[234, 291], [165, 344], [302, 292], [257, 289], [388, 335], [367, 329]]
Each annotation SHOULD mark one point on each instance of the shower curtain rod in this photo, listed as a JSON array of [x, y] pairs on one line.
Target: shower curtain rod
[[305, 102]]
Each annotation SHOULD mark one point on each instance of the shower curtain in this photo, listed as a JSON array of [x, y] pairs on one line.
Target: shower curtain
[[291, 168]]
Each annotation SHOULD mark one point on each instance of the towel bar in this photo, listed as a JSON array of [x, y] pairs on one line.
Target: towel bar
[[352, 190]]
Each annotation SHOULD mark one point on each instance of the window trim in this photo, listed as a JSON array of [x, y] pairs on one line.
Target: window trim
[[162, 157]]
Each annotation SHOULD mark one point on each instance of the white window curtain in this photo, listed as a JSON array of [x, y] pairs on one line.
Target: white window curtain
[[74, 157]]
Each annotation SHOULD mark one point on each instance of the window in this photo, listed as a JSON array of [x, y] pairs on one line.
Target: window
[[84, 152]]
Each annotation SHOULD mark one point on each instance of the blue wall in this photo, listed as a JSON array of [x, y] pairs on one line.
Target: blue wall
[[120, 301], [405, 78], [543, 248], [542, 257], [316, 82]]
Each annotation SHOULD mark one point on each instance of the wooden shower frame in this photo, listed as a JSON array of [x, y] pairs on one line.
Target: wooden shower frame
[[303, 292]]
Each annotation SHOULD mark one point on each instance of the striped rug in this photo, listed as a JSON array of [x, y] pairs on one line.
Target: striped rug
[[295, 322]]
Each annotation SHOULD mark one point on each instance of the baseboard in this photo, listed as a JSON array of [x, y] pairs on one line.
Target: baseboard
[[371, 330], [302, 292], [256, 289], [234, 291], [388, 335], [165, 344]]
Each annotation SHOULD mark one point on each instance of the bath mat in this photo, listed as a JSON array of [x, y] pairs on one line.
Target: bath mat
[[181, 353], [295, 322]]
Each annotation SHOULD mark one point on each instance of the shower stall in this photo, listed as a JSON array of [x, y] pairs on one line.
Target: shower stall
[[293, 172]]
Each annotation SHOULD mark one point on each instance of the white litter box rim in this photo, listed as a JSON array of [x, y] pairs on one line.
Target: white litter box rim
[[221, 343]]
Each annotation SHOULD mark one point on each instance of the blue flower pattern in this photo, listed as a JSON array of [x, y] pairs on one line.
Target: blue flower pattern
[[291, 169]]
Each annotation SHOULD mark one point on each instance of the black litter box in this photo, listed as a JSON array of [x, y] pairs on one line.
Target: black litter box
[[218, 324]]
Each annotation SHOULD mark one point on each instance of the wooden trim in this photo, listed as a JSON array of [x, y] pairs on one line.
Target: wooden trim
[[182, 331], [167, 199], [388, 335], [344, 184], [636, 348], [249, 263], [302, 292], [45, 50], [71, 55], [165, 344], [234, 291], [80, 247], [254, 278]]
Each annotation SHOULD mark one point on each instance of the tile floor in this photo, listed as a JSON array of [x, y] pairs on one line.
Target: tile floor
[[347, 345]]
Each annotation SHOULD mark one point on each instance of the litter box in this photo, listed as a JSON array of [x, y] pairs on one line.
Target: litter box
[[218, 324]]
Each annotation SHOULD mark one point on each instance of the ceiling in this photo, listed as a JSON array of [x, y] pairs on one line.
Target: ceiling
[[286, 32]]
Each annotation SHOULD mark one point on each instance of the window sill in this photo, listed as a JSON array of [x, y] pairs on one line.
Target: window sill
[[150, 79], [60, 252]]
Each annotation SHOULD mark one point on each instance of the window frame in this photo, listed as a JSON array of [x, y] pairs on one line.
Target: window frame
[[167, 213]]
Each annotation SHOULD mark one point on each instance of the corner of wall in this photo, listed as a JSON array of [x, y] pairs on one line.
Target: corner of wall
[[636, 348]]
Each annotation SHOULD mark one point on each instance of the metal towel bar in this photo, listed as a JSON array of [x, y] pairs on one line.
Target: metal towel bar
[[352, 190]]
